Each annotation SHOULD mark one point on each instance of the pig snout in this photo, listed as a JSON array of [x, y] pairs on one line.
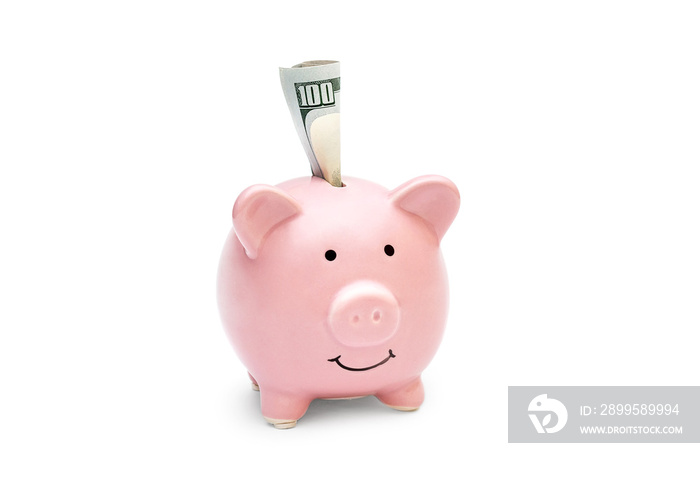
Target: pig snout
[[363, 313]]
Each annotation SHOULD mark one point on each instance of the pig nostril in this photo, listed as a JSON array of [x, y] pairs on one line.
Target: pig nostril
[[377, 315]]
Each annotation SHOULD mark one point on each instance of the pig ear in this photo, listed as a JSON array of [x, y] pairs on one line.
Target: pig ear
[[257, 211], [434, 199]]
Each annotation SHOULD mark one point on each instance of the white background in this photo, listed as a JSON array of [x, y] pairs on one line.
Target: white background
[[128, 128]]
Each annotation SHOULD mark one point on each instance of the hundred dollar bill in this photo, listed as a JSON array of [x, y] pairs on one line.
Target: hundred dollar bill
[[312, 91]]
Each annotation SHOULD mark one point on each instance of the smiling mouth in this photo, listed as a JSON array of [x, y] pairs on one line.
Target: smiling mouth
[[337, 361]]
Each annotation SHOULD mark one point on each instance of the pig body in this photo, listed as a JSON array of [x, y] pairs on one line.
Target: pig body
[[332, 292]]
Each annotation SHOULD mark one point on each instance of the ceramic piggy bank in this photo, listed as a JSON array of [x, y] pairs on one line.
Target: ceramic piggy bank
[[333, 293]]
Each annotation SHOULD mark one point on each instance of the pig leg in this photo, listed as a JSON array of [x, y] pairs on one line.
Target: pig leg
[[282, 409], [254, 383], [406, 398]]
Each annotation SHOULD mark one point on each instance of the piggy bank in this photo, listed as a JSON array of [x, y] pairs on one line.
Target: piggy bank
[[336, 292]]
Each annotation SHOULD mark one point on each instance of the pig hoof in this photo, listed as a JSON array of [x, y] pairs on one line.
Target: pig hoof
[[408, 398], [254, 383], [404, 409], [282, 424]]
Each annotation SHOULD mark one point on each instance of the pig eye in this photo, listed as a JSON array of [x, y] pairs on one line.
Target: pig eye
[[330, 255], [389, 250]]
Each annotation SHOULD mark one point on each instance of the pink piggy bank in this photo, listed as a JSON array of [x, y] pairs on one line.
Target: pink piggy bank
[[334, 293]]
